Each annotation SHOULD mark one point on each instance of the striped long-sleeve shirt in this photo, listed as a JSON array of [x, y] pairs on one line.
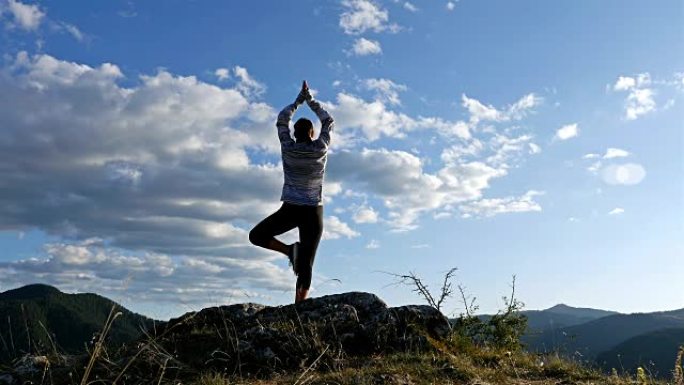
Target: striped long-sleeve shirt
[[304, 162]]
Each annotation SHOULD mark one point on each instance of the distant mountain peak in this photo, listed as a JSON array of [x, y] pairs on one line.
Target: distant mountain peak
[[560, 306], [35, 290]]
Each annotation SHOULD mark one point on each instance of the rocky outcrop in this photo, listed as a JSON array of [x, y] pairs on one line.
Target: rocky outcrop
[[256, 339]]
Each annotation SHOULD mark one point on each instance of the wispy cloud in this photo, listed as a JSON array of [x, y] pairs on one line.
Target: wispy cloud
[[373, 244], [410, 7], [615, 153], [493, 206]]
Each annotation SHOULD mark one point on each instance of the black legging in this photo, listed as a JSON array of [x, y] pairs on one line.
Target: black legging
[[309, 220]]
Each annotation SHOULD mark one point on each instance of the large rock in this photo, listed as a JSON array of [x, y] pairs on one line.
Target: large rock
[[257, 339]]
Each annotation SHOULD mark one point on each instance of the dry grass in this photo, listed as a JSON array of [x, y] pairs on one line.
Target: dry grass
[[454, 361]]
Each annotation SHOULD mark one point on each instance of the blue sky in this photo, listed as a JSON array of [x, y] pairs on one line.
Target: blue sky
[[541, 139]]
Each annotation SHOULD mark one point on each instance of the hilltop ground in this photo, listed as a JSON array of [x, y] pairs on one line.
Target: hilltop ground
[[350, 338]]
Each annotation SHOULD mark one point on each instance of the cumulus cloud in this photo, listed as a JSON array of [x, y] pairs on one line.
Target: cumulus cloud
[[164, 167], [640, 99], [365, 214], [222, 74], [364, 15], [165, 157], [334, 228], [25, 16], [624, 83], [144, 277], [385, 90], [365, 47], [494, 206], [373, 119], [450, 5], [566, 132], [407, 191], [616, 211]]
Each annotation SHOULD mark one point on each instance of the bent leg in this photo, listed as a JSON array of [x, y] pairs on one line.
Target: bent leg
[[263, 234], [310, 231]]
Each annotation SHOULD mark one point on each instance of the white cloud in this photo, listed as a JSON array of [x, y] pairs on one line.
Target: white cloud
[[363, 15], [407, 191], [222, 74], [373, 119], [615, 153], [566, 132], [595, 167], [591, 156], [624, 174], [624, 83], [679, 80], [479, 111], [365, 214], [172, 145], [144, 277], [640, 100], [534, 148], [410, 7], [450, 5], [246, 84], [504, 148], [334, 229], [385, 90], [516, 111], [25, 16], [168, 164], [491, 207], [373, 244], [365, 47], [70, 29], [461, 151], [616, 211]]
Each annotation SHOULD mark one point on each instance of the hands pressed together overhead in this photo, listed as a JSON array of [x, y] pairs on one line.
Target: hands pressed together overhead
[[304, 94]]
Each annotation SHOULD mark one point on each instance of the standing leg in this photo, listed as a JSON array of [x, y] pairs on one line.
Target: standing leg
[[263, 234], [310, 231]]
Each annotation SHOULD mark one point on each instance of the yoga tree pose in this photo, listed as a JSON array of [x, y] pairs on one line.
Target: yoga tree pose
[[304, 161]]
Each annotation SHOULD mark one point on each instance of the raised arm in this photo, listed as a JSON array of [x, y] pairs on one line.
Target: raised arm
[[327, 121], [283, 123], [284, 117]]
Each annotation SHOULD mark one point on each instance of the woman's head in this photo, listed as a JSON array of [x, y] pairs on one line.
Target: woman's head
[[303, 130]]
